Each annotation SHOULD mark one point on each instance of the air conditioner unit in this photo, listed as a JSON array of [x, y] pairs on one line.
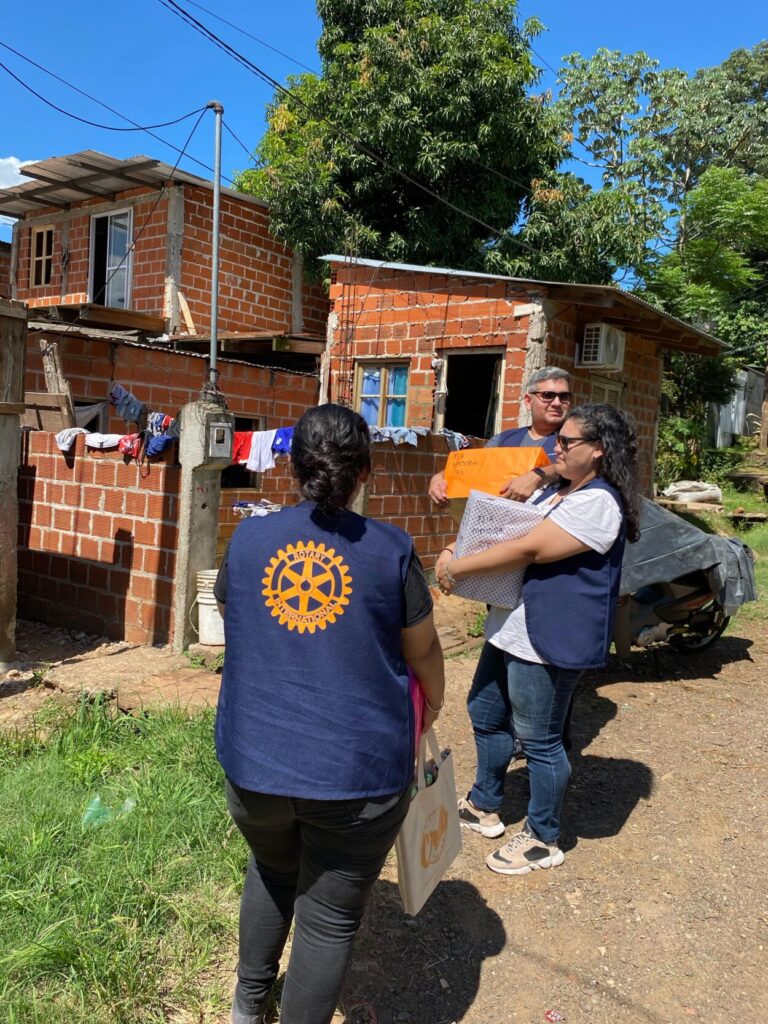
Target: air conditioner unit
[[601, 348]]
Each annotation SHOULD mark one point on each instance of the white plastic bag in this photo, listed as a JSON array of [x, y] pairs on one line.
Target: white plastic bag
[[693, 490]]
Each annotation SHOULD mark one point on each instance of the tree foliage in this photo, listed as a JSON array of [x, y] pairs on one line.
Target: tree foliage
[[412, 92]]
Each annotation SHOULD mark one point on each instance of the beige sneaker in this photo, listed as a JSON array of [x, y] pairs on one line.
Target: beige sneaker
[[524, 853], [487, 823]]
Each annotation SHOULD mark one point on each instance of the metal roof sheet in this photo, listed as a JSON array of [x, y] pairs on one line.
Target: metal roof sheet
[[64, 180]]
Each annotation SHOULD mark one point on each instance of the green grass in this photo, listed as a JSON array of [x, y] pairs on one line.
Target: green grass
[[121, 923]]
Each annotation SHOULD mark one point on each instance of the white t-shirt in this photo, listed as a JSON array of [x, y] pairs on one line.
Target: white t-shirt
[[592, 516]]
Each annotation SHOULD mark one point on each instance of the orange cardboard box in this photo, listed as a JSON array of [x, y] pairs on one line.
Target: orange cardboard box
[[488, 469]]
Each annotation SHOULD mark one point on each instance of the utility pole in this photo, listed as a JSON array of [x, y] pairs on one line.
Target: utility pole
[[213, 373]]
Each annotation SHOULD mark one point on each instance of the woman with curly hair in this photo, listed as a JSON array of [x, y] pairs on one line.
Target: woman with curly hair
[[534, 653]]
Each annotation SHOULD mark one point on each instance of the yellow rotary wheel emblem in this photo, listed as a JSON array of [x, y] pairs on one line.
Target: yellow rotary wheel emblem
[[307, 586]]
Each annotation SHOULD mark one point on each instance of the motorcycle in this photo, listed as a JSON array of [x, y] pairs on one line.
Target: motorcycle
[[679, 585]]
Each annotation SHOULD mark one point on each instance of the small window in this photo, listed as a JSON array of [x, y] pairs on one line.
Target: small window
[[111, 242], [607, 393], [42, 257], [382, 392]]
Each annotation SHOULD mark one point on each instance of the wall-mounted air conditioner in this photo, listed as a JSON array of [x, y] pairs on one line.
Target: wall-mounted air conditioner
[[601, 348]]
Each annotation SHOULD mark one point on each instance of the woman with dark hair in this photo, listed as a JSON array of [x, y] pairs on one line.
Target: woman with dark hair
[[323, 612], [534, 653]]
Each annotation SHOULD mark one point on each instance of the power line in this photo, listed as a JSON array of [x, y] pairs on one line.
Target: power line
[[256, 39], [95, 124], [112, 110], [240, 142]]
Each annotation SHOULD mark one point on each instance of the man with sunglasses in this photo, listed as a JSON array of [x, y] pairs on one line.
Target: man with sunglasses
[[548, 397]]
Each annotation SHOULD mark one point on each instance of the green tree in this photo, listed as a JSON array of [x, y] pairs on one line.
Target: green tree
[[412, 92]]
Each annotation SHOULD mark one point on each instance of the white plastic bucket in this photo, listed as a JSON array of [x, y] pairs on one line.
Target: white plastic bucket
[[210, 622], [206, 579]]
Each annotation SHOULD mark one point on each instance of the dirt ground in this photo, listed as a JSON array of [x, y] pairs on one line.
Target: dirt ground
[[659, 913]]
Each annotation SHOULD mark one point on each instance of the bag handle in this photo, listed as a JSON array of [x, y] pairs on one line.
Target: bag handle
[[434, 747]]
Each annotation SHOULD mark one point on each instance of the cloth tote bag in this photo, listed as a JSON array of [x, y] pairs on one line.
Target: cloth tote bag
[[430, 839]]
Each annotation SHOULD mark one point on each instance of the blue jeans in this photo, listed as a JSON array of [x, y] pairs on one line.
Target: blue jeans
[[314, 864], [513, 698]]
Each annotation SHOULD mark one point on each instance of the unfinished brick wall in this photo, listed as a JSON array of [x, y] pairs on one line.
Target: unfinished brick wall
[[71, 252], [255, 271], [640, 380], [5, 270], [382, 313], [97, 540]]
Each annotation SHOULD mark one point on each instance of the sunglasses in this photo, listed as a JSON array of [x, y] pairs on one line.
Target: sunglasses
[[549, 396], [566, 443]]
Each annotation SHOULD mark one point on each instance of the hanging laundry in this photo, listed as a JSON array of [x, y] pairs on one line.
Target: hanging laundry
[[398, 435], [167, 421], [102, 441], [261, 456], [130, 408], [241, 445], [174, 427], [66, 437], [455, 440], [116, 392], [85, 413], [283, 440], [157, 444], [130, 445], [156, 423]]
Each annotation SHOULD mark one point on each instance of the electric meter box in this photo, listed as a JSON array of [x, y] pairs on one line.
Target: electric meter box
[[218, 441]]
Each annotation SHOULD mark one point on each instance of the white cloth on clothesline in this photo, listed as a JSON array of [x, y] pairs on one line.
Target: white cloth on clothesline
[[97, 440], [66, 437], [85, 413], [261, 456]]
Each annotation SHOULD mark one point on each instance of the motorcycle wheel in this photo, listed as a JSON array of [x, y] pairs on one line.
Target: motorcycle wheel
[[694, 640]]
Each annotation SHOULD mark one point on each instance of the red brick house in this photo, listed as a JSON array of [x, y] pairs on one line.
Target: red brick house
[[447, 348], [79, 215]]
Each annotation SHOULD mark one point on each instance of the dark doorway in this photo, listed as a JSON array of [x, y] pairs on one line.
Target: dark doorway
[[472, 385]]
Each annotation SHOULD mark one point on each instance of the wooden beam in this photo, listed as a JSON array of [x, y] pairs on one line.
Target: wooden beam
[[184, 307], [298, 345], [45, 411], [55, 381], [112, 316]]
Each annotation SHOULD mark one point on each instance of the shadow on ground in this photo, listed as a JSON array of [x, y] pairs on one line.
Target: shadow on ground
[[425, 968]]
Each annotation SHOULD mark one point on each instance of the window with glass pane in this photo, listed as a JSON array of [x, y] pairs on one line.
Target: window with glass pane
[[383, 391], [111, 259]]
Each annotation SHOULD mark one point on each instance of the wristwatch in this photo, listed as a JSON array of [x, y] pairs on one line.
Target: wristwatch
[[540, 472]]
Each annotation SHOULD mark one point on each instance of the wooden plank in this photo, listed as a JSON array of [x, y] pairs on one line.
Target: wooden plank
[[12, 408], [296, 345], [46, 411], [13, 349], [113, 317], [184, 307], [689, 506], [55, 380]]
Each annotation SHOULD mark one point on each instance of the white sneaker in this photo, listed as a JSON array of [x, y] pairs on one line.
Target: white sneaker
[[524, 853], [487, 823]]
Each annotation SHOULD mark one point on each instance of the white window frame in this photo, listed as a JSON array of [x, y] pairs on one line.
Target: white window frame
[[441, 381], [386, 365], [128, 260], [35, 261]]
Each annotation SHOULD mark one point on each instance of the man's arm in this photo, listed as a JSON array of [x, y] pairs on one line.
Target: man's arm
[[520, 488], [438, 489]]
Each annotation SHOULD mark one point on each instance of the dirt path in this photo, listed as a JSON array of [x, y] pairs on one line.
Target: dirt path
[[658, 914]]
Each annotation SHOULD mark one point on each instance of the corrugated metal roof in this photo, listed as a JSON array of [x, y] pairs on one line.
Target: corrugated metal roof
[[625, 298], [64, 180]]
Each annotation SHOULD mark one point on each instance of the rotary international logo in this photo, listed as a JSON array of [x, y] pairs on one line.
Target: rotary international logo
[[307, 586]]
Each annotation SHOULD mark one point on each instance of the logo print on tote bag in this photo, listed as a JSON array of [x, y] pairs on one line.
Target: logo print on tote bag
[[433, 837], [306, 586]]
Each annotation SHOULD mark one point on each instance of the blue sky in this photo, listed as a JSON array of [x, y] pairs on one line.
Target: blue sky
[[152, 67]]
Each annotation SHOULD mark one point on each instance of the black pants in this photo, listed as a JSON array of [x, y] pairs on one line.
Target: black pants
[[315, 861]]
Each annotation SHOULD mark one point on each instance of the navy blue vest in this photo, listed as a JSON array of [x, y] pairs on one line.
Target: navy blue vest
[[314, 697], [570, 605]]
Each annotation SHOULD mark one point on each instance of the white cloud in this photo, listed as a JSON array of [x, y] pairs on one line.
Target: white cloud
[[9, 171], [10, 174]]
